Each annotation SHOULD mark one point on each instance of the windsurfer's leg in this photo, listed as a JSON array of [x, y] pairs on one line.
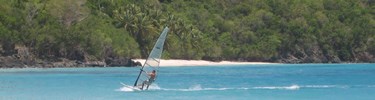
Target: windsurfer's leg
[[147, 87], [143, 84]]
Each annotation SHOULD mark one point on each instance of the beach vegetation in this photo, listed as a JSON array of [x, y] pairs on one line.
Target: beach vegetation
[[291, 31]]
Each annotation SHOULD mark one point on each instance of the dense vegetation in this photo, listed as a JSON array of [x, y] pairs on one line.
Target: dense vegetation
[[252, 30]]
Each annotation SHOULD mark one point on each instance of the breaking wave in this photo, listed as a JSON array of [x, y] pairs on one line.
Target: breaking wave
[[292, 87]]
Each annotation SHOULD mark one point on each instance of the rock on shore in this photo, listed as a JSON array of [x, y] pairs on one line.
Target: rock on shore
[[21, 58], [15, 62]]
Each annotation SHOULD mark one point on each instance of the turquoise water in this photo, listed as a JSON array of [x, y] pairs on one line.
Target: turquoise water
[[240, 82]]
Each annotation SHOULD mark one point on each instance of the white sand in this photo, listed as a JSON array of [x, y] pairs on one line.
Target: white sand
[[175, 62]]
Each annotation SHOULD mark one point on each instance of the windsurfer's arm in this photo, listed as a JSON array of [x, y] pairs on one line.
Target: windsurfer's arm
[[151, 74]]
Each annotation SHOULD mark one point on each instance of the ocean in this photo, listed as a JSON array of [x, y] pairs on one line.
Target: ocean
[[225, 82]]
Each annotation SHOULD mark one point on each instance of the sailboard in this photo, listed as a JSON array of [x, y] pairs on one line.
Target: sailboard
[[130, 88], [151, 63]]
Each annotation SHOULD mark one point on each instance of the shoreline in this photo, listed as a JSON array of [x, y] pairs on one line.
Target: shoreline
[[179, 62], [163, 63]]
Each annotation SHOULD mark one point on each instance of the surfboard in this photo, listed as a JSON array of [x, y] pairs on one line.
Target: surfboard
[[131, 87]]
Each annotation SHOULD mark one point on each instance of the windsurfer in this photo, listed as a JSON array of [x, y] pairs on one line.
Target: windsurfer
[[152, 76], [151, 79]]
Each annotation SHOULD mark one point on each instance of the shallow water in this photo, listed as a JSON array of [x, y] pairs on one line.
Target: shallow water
[[239, 82]]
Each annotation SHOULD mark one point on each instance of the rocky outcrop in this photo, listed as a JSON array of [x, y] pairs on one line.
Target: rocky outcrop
[[15, 62], [21, 57], [10, 62], [316, 55], [365, 57]]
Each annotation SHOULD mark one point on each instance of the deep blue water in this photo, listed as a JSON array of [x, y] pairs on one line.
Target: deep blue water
[[239, 82]]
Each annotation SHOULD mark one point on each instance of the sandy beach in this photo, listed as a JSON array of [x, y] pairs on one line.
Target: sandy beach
[[177, 62]]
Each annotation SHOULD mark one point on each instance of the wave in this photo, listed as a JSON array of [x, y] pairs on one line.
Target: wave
[[155, 87], [339, 86], [326, 86], [297, 87], [198, 87], [293, 87]]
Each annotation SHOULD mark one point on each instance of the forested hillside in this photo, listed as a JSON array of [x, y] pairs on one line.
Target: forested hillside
[[289, 31]]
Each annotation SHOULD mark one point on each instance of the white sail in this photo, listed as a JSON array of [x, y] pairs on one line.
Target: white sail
[[152, 62]]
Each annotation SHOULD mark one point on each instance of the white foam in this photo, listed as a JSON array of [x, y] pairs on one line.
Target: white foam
[[198, 87], [297, 87], [154, 86], [325, 86], [126, 89], [320, 86], [292, 87], [191, 88]]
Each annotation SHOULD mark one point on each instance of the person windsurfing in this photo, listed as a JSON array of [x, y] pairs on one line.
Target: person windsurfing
[[150, 80], [152, 76]]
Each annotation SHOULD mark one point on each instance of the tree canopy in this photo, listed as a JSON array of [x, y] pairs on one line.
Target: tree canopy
[[241, 30]]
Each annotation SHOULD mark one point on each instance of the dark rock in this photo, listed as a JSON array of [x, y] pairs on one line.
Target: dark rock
[[118, 61], [365, 57], [10, 62], [289, 59], [138, 63], [95, 64]]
